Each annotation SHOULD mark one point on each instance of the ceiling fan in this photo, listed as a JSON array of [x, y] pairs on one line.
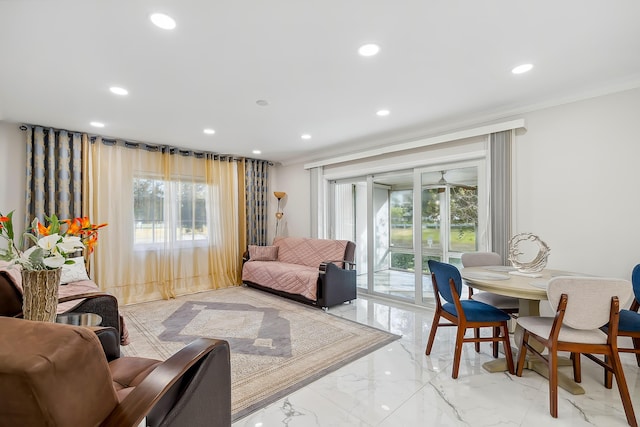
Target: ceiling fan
[[443, 183]]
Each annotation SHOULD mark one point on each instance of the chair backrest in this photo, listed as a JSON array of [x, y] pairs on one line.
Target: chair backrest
[[52, 374], [589, 299], [443, 272], [635, 280], [480, 259]]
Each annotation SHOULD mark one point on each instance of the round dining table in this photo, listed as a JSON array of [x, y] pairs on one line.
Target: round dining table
[[530, 289]]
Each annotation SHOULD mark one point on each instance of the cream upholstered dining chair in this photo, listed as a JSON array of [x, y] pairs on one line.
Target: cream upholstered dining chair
[[464, 314], [584, 306]]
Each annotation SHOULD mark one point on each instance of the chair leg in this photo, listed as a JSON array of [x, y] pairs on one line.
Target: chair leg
[[616, 365], [553, 383], [522, 354], [476, 334], [507, 348], [496, 335], [636, 345], [432, 333], [457, 354], [608, 375], [577, 367]]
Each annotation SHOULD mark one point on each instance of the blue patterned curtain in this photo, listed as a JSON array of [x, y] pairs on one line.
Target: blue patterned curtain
[[256, 192], [54, 174]]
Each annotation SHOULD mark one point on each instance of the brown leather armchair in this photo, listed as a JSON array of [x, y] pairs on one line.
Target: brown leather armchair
[[55, 374]]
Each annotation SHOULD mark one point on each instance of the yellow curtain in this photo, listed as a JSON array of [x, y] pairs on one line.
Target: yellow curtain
[[138, 260]]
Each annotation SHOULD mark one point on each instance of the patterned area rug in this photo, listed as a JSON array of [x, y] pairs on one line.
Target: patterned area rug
[[277, 345]]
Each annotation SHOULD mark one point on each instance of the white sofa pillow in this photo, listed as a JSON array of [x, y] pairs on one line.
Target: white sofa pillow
[[74, 272]]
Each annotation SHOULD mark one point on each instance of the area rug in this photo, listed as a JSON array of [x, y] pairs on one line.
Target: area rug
[[277, 345]]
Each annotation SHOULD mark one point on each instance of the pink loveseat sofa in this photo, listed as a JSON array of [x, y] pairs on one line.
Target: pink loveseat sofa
[[320, 272]]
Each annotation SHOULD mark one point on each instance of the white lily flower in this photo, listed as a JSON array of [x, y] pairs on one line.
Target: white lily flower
[[54, 261], [48, 243], [70, 244]]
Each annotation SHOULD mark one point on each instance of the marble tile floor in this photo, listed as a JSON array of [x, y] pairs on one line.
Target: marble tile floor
[[398, 385]]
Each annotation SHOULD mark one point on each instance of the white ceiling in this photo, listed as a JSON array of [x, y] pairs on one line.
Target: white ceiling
[[442, 64]]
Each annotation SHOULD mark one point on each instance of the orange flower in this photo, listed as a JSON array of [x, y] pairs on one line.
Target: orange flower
[[84, 222], [72, 227], [44, 231], [91, 242]]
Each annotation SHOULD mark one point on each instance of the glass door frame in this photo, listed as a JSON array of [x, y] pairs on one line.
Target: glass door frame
[[482, 236]]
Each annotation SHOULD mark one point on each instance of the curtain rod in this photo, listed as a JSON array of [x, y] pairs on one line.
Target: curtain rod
[[148, 147]]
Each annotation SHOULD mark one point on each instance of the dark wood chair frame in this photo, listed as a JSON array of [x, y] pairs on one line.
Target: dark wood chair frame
[[611, 364], [462, 324], [635, 336]]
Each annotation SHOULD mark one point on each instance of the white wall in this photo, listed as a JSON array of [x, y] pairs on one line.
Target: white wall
[[576, 176], [12, 165], [577, 183], [294, 181]]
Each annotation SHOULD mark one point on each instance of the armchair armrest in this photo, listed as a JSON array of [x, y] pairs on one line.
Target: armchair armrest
[[83, 296], [337, 284], [197, 375], [346, 265], [102, 303]]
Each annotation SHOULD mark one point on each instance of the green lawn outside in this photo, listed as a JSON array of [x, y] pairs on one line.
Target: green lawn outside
[[403, 237]]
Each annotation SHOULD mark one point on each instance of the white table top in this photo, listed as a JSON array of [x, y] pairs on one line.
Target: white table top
[[499, 280]]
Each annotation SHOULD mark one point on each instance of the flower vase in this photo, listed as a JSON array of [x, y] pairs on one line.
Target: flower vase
[[40, 294]]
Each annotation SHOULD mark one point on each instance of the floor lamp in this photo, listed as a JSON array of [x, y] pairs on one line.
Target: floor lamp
[[279, 214]]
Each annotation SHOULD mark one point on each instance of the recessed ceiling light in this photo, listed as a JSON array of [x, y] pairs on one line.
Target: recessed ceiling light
[[522, 68], [97, 124], [118, 90], [257, 152], [369, 49], [163, 21], [209, 131], [383, 113], [305, 136]]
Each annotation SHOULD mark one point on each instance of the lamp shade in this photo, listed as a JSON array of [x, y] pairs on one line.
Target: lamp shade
[[279, 194]]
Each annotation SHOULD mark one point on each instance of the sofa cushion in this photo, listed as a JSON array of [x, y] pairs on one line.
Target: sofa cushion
[[309, 252], [74, 272], [292, 278], [263, 253]]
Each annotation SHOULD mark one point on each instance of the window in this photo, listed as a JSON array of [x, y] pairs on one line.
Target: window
[[169, 211]]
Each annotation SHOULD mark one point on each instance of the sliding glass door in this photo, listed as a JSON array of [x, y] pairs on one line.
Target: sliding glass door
[[449, 218], [400, 220]]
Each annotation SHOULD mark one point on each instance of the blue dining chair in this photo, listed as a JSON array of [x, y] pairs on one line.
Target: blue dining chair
[[629, 324], [464, 314], [507, 304]]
